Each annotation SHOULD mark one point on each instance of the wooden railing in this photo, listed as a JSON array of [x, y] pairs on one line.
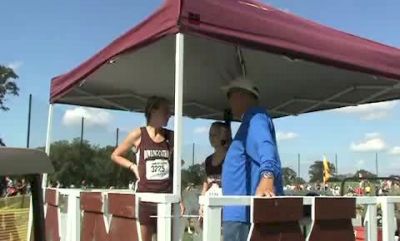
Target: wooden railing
[[104, 215]]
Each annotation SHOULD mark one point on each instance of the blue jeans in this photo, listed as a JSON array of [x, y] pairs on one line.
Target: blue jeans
[[235, 231]]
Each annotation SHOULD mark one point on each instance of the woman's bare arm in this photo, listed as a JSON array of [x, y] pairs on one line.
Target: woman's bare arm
[[205, 187], [132, 140]]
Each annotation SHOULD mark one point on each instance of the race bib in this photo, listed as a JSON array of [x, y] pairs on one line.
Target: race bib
[[214, 179], [157, 170], [214, 191]]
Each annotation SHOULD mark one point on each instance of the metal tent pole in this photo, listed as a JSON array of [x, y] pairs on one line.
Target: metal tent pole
[[178, 119], [178, 136], [336, 164], [48, 140], [117, 137], [298, 166], [193, 152], [82, 130], [28, 133]]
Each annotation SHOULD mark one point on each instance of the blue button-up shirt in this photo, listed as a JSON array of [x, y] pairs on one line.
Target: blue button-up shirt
[[252, 152]]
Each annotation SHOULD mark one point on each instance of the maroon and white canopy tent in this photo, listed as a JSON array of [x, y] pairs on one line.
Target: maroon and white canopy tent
[[299, 66], [188, 49]]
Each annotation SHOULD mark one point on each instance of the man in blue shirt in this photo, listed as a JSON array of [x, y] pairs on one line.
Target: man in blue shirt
[[252, 165]]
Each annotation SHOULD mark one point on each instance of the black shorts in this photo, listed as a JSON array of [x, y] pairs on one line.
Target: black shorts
[[146, 210]]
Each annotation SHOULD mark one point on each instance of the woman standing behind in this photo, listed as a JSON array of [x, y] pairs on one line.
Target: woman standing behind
[[154, 169], [220, 138]]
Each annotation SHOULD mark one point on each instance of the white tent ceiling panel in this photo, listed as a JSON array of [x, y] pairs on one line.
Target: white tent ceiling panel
[[287, 86]]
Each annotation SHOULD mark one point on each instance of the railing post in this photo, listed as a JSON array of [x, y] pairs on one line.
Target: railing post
[[388, 220], [74, 217], [212, 221], [164, 225], [370, 223], [177, 229]]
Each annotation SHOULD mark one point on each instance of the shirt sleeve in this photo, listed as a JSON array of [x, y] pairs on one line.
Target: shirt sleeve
[[261, 144]]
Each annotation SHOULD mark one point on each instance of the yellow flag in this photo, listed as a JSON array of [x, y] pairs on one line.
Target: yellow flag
[[326, 170]]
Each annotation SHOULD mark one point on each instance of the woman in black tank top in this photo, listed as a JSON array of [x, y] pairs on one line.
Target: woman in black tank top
[[154, 167], [220, 139]]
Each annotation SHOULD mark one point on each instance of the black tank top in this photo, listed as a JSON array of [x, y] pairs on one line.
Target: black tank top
[[211, 169], [155, 163], [213, 173]]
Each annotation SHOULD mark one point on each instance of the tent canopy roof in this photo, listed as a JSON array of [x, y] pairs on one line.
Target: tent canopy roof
[[298, 65]]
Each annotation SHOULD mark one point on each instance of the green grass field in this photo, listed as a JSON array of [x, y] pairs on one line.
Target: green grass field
[[187, 237]]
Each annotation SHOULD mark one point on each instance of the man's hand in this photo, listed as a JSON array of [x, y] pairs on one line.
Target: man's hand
[[265, 187]]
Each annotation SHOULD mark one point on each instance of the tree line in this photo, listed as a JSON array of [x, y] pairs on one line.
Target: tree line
[[75, 162]]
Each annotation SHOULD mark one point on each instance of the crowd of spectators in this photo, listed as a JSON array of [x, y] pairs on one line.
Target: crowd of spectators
[[13, 187]]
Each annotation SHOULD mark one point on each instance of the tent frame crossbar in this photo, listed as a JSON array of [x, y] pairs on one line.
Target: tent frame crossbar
[[280, 109], [381, 90], [104, 100]]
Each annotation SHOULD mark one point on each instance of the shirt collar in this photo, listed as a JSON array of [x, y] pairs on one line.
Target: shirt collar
[[251, 111]]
